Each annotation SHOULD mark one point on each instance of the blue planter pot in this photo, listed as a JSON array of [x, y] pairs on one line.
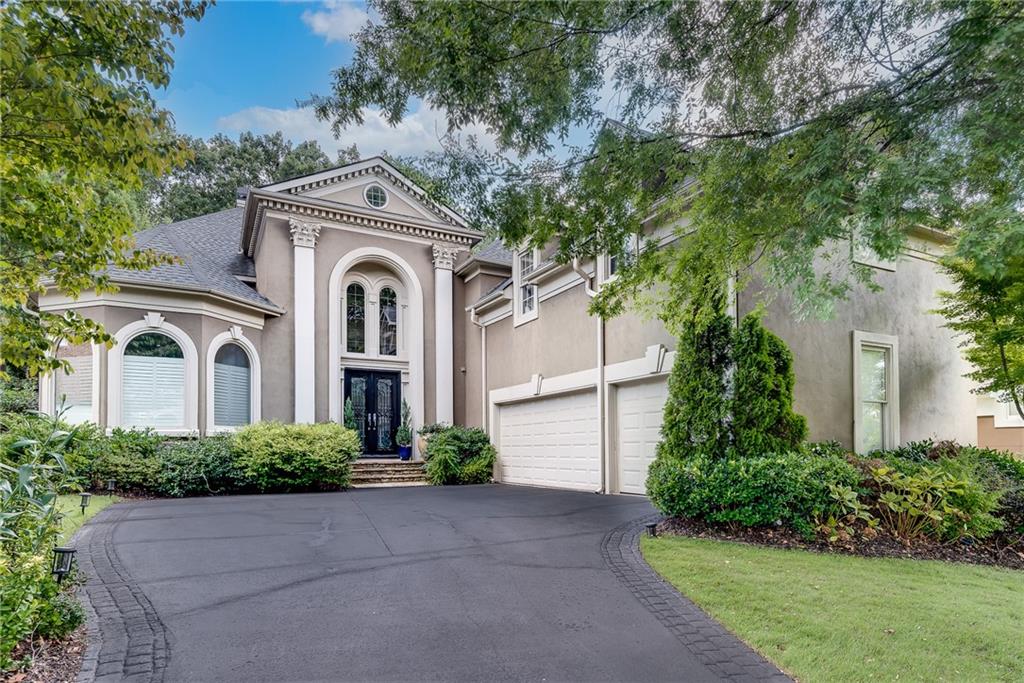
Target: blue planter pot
[[404, 452]]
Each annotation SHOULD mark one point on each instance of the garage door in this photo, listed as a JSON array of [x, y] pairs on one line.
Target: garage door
[[550, 442], [638, 419]]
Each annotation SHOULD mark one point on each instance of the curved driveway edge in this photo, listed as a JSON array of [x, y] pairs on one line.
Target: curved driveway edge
[[126, 639], [717, 648]]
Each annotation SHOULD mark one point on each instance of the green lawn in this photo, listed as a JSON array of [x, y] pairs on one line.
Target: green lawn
[[841, 618], [71, 507]]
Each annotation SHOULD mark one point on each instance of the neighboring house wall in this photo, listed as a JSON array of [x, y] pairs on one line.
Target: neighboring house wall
[[999, 425]]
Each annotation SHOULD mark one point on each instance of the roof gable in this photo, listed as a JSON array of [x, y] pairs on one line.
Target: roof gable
[[345, 185]]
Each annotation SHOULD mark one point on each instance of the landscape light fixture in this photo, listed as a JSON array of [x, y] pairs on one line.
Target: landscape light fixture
[[85, 501], [63, 558], [110, 486], [652, 529]]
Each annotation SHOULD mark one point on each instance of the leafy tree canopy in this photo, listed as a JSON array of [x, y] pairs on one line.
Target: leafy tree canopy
[[80, 129], [218, 167], [811, 128]]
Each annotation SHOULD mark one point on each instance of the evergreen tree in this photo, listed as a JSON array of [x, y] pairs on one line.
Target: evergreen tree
[[763, 420], [696, 421]]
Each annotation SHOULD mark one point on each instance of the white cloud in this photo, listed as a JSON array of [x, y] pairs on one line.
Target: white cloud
[[418, 132], [337, 21]]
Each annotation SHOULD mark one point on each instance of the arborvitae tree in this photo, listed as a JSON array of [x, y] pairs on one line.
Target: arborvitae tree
[[763, 420], [696, 418]]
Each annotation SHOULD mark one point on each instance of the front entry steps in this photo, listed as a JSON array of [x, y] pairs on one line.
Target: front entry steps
[[367, 473]]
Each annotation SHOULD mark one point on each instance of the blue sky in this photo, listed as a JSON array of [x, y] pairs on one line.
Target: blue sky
[[246, 64]]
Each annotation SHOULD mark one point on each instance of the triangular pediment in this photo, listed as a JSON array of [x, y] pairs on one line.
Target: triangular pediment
[[348, 185]]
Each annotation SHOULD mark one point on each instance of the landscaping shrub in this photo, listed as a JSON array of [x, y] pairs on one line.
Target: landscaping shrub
[[131, 458], [789, 488], [459, 455], [199, 467], [18, 395], [29, 529], [82, 446], [296, 457]]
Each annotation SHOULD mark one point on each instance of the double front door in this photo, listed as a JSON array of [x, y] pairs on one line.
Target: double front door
[[376, 402]]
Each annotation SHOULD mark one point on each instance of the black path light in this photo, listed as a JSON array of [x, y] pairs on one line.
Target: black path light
[[85, 501], [652, 529], [111, 483], [63, 558]]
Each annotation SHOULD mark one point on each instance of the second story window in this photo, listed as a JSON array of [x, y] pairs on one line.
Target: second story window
[[627, 257], [527, 292], [355, 317]]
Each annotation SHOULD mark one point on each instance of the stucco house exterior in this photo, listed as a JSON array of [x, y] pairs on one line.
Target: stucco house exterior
[[352, 283]]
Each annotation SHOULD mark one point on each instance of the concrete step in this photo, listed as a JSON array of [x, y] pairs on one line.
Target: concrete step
[[388, 475]]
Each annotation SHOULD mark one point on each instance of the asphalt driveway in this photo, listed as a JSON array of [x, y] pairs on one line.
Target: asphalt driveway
[[462, 583]]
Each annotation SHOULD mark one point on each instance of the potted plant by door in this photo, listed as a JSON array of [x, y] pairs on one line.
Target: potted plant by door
[[403, 435]]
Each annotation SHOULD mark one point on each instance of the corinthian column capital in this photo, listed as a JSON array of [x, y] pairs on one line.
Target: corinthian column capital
[[303, 234], [444, 257]]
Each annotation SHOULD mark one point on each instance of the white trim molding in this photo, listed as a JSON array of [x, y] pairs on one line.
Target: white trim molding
[[891, 416], [154, 322], [444, 333], [233, 336], [414, 327]]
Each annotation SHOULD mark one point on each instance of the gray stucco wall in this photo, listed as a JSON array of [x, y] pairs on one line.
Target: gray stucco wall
[[935, 398]]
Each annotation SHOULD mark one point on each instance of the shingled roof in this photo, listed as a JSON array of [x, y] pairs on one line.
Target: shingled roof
[[207, 247]]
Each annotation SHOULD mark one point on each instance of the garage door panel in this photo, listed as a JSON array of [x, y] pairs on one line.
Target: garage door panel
[[639, 409], [550, 442]]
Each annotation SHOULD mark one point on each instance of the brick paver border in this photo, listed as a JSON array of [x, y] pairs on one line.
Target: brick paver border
[[723, 653], [127, 640]]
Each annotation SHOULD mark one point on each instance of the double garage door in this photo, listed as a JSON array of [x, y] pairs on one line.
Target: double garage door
[[553, 441]]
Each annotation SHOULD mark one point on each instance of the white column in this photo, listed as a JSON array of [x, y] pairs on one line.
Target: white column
[[444, 346], [304, 238]]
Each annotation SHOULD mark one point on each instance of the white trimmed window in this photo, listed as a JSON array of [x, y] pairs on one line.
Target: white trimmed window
[[525, 292], [73, 394], [355, 318], [153, 382], [232, 387], [387, 304], [875, 391], [630, 248]]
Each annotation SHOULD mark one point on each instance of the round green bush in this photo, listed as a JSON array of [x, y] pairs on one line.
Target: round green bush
[[200, 467], [296, 457]]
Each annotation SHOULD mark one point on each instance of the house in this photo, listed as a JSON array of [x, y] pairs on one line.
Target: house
[[352, 284]]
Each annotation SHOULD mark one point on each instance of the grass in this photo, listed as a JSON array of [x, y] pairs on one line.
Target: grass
[[841, 618], [71, 507]]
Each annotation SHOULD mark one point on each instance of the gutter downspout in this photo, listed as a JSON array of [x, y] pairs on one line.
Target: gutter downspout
[[602, 432], [474, 317]]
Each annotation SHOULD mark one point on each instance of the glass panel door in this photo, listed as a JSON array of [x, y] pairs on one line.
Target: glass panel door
[[376, 397]]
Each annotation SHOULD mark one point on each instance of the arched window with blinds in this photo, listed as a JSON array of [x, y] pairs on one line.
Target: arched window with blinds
[[232, 387], [153, 382]]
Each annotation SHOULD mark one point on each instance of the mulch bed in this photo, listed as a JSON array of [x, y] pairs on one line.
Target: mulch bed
[[53, 661], [1000, 550]]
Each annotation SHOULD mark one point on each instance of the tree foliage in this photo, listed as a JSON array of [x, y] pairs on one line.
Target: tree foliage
[[811, 128], [987, 308], [80, 129], [218, 167]]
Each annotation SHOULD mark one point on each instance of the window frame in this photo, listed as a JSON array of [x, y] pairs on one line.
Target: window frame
[[153, 322], [344, 315], [387, 196], [525, 291], [891, 408], [611, 267], [48, 399], [235, 335], [371, 324]]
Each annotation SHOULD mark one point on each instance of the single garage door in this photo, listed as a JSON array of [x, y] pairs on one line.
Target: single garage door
[[550, 442], [638, 419]]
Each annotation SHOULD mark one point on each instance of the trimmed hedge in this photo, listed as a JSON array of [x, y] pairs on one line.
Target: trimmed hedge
[[286, 457]]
